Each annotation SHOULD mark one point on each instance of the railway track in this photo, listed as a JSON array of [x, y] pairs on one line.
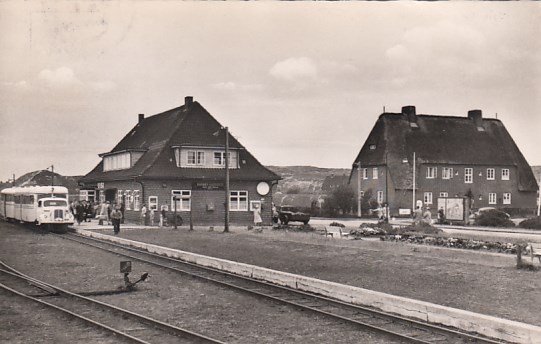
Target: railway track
[[127, 326], [400, 328]]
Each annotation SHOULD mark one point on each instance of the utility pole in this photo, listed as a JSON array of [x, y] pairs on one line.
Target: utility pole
[[52, 181], [414, 163], [386, 189], [226, 224], [359, 189], [539, 197]]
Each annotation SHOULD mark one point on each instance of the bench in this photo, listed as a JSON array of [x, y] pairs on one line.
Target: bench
[[535, 250], [325, 232]]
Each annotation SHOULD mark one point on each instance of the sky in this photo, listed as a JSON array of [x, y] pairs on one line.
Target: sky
[[297, 83]]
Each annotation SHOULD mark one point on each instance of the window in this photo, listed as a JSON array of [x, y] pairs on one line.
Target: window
[[219, 159], [468, 175], [506, 198], [365, 173], [428, 197], [196, 158], [238, 200], [119, 197], [505, 174], [129, 200], [183, 200], [444, 194], [372, 147], [116, 162], [136, 200], [153, 202], [492, 198], [431, 172], [491, 174], [447, 173], [380, 197], [375, 173]]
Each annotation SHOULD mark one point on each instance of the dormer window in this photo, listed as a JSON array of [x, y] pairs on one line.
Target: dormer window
[[122, 160]]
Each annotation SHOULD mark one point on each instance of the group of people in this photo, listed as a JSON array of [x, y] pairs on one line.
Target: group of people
[[425, 216], [148, 216]]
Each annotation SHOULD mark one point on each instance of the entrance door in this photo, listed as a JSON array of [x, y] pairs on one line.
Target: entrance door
[[110, 195]]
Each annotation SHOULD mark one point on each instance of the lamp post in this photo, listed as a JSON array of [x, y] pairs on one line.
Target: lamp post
[[226, 224]]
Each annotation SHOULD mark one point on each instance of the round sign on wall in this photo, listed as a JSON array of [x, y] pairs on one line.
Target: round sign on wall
[[263, 188]]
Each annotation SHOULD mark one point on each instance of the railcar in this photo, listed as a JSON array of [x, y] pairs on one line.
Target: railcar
[[45, 206]]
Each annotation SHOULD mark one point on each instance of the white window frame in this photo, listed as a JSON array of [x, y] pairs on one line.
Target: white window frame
[[447, 173], [492, 198], [153, 202], [238, 200], [427, 198], [136, 200], [119, 194], [444, 194], [431, 172], [365, 173], [491, 174], [195, 158], [119, 161], [184, 200], [468, 175], [505, 174], [506, 198], [379, 197], [374, 173]]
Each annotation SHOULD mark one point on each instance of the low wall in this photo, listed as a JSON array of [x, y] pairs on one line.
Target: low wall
[[498, 328]]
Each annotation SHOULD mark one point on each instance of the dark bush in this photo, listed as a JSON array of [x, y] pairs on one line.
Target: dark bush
[[337, 224], [531, 223], [493, 218]]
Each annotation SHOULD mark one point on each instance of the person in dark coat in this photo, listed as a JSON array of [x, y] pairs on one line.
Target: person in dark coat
[[79, 212], [116, 217]]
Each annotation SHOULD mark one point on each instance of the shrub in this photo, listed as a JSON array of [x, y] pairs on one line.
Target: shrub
[[531, 223], [493, 218], [337, 224]]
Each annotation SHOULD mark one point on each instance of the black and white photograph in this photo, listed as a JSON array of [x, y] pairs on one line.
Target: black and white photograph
[[270, 172]]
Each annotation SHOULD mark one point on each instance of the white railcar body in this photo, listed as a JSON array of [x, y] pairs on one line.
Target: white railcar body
[[42, 205]]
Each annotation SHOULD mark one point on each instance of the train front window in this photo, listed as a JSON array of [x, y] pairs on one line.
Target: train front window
[[55, 203]]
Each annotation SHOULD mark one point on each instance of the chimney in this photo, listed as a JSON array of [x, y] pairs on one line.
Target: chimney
[[411, 114], [188, 100], [141, 117], [477, 117]]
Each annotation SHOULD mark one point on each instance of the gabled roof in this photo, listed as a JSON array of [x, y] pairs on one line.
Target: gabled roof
[[441, 140], [155, 138]]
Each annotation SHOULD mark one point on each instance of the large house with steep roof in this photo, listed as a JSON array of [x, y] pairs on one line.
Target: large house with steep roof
[[470, 157], [177, 158]]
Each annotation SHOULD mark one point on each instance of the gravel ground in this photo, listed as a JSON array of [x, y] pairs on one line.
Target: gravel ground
[[481, 282], [186, 302]]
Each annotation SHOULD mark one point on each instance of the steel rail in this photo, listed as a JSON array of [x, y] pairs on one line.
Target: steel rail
[[190, 335], [415, 324]]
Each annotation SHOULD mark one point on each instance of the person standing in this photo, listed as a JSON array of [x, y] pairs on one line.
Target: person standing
[[152, 214], [143, 214], [257, 215], [116, 217], [163, 216], [417, 216], [427, 216]]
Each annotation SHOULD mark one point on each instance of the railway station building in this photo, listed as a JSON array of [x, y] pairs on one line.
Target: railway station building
[[177, 159], [435, 156]]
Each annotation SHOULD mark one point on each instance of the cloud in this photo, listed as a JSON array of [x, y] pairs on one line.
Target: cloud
[[299, 69], [233, 86], [59, 78], [445, 50]]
